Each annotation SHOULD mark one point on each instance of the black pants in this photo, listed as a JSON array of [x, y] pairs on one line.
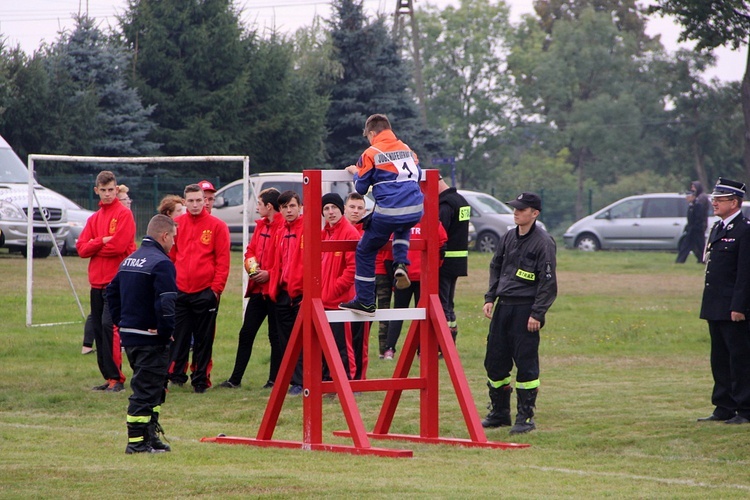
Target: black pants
[[342, 335], [694, 240], [195, 316], [108, 353], [286, 310], [258, 309], [509, 341], [401, 299], [447, 293], [149, 381], [360, 331], [730, 366], [88, 332]]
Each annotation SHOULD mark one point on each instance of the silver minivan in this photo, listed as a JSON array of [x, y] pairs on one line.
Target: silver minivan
[[644, 222], [14, 193]]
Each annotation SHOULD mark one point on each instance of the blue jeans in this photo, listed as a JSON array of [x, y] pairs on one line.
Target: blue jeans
[[373, 239]]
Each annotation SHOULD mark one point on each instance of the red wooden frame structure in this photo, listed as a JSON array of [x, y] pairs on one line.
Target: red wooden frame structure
[[312, 336]]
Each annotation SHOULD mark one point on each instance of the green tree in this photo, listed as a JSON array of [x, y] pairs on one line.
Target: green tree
[[468, 92], [374, 80], [593, 85], [716, 24]]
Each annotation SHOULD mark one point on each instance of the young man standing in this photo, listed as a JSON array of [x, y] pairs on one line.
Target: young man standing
[[454, 216], [201, 256], [142, 299], [209, 194], [258, 260], [337, 278], [524, 284], [392, 170], [107, 238], [285, 287]]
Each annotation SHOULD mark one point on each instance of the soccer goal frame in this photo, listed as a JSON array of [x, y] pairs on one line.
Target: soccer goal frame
[[33, 158]]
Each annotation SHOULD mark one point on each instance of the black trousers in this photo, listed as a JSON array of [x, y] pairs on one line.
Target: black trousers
[[730, 366], [694, 240], [509, 341], [447, 291], [401, 300], [360, 336], [286, 311], [195, 316], [257, 310], [108, 353], [149, 380], [342, 335]]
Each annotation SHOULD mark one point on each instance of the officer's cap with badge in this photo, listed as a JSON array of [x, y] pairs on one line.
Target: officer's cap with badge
[[727, 187], [525, 200]]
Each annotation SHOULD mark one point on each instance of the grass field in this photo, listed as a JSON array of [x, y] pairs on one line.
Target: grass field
[[624, 375]]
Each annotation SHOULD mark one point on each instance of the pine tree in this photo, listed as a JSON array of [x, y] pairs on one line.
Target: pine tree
[[375, 80]]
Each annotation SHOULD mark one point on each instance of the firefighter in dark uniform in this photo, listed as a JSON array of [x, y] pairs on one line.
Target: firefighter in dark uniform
[[454, 215], [694, 236], [524, 283], [142, 303], [726, 304]]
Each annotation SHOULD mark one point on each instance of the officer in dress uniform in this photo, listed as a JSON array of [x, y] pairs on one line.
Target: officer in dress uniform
[[726, 304]]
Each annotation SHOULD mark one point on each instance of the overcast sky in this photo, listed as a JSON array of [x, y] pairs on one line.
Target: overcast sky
[[28, 22]]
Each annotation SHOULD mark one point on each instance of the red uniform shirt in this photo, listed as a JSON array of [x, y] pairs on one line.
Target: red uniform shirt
[[113, 219], [201, 253], [261, 247], [337, 268], [415, 256], [287, 267]]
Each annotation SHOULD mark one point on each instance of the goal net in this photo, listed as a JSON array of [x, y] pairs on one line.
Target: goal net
[[33, 158]]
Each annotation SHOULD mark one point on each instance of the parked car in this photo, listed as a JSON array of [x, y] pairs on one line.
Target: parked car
[[229, 207], [490, 217], [14, 182], [77, 217], [643, 222]]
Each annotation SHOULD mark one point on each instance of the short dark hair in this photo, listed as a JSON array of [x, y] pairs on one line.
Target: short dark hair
[[270, 195], [355, 196], [192, 188], [105, 177], [287, 196], [159, 224], [376, 123]]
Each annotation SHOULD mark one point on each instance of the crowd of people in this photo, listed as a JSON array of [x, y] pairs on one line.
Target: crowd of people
[[160, 302]]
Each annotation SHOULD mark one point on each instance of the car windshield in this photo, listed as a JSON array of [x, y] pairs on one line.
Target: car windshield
[[486, 204], [11, 167]]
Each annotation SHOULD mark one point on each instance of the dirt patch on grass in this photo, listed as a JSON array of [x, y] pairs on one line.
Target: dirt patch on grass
[[570, 283]]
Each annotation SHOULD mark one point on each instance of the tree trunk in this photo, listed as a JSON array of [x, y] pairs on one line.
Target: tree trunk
[[581, 179], [700, 164], [746, 114]]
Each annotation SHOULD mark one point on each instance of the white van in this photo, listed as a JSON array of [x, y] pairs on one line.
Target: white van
[[228, 206], [14, 194]]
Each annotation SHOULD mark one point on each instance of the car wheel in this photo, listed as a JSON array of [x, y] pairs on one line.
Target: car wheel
[[487, 242], [587, 243], [38, 252]]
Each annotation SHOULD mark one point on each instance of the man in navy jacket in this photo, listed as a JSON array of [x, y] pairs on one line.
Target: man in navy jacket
[[142, 303]]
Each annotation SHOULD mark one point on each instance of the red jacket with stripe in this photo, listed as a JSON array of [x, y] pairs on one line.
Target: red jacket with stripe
[[337, 268], [115, 220], [288, 245], [261, 247]]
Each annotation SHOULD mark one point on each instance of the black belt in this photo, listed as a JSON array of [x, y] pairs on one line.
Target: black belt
[[515, 301]]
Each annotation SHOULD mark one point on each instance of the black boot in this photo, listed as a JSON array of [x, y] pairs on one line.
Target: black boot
[[525, 418], [138, 440], [154, 430], [499, 415]]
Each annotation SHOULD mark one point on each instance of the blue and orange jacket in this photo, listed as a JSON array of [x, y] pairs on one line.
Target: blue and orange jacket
[[113, 219], [201, 253], [393, 172], [337, 268]]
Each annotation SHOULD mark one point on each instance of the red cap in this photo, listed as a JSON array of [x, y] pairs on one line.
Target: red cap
[[206, 186]]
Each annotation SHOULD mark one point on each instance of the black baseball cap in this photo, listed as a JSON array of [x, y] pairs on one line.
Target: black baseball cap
[[525, 200]]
